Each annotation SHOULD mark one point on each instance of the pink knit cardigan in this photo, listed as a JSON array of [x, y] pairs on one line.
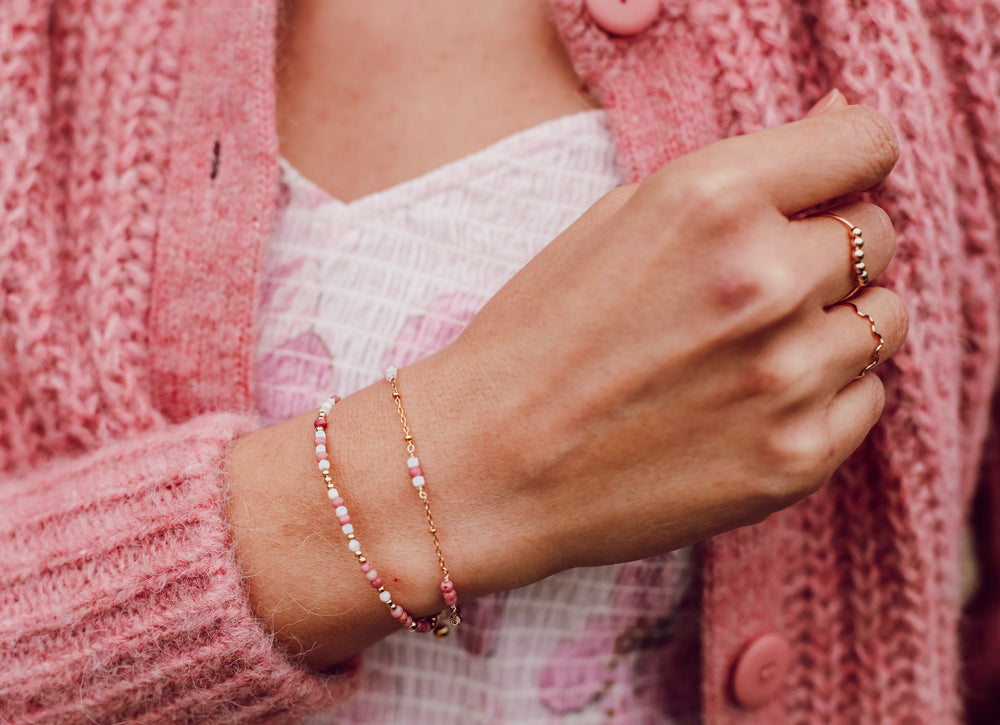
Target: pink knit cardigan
[[137, 178]]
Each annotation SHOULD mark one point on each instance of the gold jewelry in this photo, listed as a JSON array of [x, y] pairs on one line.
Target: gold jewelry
[[857, 253], [875, 333], [448, 592]]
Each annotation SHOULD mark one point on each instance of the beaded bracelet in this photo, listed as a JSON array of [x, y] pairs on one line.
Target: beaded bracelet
[[448, 592], [424, 624]]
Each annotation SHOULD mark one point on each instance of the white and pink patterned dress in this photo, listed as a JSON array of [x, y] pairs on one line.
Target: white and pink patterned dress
[[349, 288]]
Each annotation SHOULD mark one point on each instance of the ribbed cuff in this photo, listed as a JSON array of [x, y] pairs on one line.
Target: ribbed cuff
[[120, 597]]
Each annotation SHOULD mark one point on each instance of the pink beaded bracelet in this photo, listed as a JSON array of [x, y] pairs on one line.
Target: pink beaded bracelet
[[424, 624], [448, 592]]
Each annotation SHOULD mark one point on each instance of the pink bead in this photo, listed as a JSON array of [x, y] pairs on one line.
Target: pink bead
[[450, 598], [322, 456], [377, 582], [447, 586], [339, 501], [319, 423], [423, 625], [399, 613], [344, 520], [320, 439], [416, 471], [366, 567]]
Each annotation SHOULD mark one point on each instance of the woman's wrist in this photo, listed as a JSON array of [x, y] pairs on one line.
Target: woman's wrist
[[303, 581]]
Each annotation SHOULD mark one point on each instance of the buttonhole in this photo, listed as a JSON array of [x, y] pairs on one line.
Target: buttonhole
[[215, 160]]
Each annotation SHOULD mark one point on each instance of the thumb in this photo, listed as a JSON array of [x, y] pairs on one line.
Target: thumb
[[833, 99]]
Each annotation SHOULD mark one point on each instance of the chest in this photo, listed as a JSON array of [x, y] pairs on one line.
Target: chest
[[372, 94]]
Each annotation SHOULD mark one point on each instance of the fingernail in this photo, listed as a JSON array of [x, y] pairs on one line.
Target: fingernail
[[831, 99]]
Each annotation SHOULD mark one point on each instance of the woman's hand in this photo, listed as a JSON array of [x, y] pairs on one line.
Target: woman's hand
[[674, 365]]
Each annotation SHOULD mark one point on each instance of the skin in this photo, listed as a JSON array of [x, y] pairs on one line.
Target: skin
[[733, 392]]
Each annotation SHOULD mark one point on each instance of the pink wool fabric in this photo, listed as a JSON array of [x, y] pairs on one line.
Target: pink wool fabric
[[138, 176]]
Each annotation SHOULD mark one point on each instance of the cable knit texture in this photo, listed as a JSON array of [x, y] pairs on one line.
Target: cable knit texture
[[119, 597], [137, 177]]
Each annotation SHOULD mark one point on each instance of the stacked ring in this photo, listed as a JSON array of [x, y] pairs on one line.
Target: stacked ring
[[857, 252], [879, 340]]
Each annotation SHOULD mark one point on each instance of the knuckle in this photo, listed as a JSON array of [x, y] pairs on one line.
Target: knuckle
[[878, 141], [709, 193], [805, 455], [757, 291], [785, 376], [714, 187]]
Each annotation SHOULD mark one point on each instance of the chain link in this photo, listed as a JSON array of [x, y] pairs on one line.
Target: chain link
[[455, 619]]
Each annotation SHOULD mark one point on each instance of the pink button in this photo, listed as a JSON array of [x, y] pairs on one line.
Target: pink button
[[759, 672], [623, 17]]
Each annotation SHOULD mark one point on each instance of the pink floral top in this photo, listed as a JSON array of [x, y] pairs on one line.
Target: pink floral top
[[349, 288]]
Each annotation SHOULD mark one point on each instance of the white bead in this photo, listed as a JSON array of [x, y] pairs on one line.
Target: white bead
[[412, 462], [348, 528], [340, 511], [354, 545], [418, 481], [391, 372], [385, 596], [333, 493], [320, 434], [321, 448], [327, 406], [371, 575], [324, 465]]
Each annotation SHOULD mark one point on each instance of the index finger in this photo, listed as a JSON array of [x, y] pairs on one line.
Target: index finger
[[804, 163]]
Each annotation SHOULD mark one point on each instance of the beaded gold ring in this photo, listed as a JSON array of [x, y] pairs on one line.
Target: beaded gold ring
[[857, 253]]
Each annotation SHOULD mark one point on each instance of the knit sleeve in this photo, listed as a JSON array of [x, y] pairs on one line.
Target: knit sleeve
[[120, 597]]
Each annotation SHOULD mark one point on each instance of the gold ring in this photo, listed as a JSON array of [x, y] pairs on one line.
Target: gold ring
[[880, 341], [857, 253]]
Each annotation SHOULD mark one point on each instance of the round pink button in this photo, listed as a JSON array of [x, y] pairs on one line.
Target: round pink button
[[759, 672], [623, 17]]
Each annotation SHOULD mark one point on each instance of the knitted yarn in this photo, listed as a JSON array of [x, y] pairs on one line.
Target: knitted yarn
[[863, 576], [120, 599], [137, 183]]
